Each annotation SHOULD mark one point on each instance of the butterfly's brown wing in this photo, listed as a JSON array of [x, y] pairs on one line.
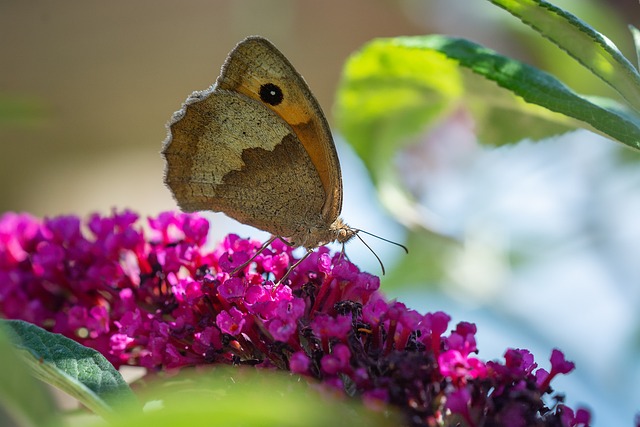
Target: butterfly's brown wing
[[228, 153], [258, 70]]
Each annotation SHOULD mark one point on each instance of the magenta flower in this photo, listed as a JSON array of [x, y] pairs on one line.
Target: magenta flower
[[230, 322], [161, 300], [460, 368]]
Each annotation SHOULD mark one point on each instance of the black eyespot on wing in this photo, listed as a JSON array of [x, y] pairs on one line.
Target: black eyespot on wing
[[271, 94]]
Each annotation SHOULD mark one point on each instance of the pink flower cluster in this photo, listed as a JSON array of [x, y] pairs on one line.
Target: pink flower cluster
[[155, 296]]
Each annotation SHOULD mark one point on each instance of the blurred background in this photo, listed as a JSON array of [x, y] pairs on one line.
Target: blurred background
[[549, 230]]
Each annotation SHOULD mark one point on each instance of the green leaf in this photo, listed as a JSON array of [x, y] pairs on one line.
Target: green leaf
[[537, 87], [247, 397], [636, 41], [592, 49], [81, 372], [394, 89], [25, 400]]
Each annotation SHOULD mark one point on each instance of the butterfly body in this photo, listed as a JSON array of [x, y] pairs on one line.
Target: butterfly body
[[257, 147]]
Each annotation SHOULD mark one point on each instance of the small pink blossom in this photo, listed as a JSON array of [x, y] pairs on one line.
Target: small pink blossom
[[231, 321]]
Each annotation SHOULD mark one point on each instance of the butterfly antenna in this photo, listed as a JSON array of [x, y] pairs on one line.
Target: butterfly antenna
[[374, 254], [383, 239]]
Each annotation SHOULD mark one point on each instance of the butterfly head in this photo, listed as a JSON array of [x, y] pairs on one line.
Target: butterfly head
[[312, 237], [341, 232]]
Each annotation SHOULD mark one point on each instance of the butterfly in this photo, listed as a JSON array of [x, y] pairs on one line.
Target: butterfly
[[257, 146]]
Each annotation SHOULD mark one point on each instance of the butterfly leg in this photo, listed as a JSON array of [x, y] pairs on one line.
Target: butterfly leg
[[283, 278], [258, 252], [343, 253]]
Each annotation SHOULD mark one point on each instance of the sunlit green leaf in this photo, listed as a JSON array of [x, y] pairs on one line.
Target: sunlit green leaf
[[395, 88], [636, 41], [536, 87], [585, 44], [247, 397]]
